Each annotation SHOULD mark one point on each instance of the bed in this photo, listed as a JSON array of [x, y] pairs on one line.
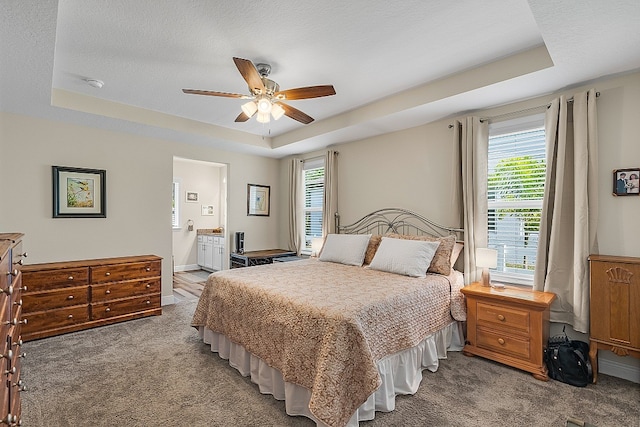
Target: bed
[[337, 340]]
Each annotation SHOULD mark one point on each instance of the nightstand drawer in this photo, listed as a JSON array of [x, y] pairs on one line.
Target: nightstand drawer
[[503, 317], [503, 343]]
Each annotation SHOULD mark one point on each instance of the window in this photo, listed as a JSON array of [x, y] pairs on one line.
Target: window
[[175, 205], [516, 178], [313, 182]]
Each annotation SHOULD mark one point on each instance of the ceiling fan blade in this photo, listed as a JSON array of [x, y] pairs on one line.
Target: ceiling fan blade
[[296, 114], [242, 117], [250, 74], [214, 93], [306, 92]]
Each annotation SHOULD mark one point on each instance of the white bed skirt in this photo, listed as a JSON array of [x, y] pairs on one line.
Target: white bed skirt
[[401, 373]]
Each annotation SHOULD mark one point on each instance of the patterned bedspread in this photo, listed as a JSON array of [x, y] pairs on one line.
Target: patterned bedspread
[[325, 325]]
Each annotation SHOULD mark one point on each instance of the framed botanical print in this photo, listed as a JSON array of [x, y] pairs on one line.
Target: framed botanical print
[[79, 192], [258, 200]]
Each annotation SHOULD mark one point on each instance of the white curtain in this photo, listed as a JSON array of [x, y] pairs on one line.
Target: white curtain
[[330, 205], [570, 208], [472, 136], [296, 220]]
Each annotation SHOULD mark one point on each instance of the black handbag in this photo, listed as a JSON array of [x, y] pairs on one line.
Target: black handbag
[[568, 360]]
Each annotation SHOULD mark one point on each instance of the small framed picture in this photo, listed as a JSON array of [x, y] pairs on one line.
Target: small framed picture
[[207, 210], [192, 196], [79, 192], [626, 182], [258, 200]]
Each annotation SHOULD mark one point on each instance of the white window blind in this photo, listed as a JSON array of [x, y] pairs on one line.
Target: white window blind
[[313, 180], [515, 192]]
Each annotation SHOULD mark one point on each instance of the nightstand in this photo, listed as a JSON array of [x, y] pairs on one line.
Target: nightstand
[[509, 326]]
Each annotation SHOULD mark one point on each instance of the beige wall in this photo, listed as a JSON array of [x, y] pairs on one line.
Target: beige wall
[[206, 179], [139, 177]]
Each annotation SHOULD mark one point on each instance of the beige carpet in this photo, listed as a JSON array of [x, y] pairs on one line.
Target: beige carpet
[[156, 372]]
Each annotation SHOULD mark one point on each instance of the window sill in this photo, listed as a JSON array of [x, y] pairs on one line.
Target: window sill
[[509, 279]]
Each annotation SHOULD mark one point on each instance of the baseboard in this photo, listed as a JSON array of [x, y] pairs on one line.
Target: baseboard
[[188, 267], [619, 370], [167, 300]]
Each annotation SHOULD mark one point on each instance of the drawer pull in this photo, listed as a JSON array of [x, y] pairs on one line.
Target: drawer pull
[[18, 303], [107, 310], [18, 343], [70, 278], [148, 286], [501, 317], [500, 341], [9, 290], [22, 355], [24, 288], [10, 371], [19, 262], [148, 302], [15, 322], [70, 297], [9, 355], [107, 274], [107, 292], [70, 316], [148, 269]]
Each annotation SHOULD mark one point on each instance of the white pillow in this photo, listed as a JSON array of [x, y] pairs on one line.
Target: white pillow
[[406, 257], [346, 249]]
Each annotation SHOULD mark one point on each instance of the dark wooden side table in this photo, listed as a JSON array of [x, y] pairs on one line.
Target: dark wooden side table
[[249, 259]]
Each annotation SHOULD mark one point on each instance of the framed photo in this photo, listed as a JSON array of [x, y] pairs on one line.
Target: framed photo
[[625, 182], [191, 196], [258, 199], [79, 193], [207, 210]]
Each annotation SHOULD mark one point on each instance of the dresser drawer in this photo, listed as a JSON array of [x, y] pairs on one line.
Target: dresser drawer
[[111, 291], [120, 272], [51, 319], [44, 280], [119, 307], [503, 343], [503, 317], [59, 298]]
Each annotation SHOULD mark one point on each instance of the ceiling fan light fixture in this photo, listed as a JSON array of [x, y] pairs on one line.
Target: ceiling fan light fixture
[[277, 111], [264, 105], [249, 108], [263, 117]]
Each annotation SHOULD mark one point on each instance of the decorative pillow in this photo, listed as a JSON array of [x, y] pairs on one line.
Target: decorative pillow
[[441, 262], [406, 257], [455, 253], [346, 249], [374, 242]]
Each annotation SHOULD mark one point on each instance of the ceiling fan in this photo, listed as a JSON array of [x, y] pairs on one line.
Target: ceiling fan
[[266, 96]]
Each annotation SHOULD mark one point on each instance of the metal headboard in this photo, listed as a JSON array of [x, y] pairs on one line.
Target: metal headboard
[[395, 220]]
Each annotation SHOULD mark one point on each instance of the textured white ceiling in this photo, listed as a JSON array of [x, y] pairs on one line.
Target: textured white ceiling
[[393, 65]]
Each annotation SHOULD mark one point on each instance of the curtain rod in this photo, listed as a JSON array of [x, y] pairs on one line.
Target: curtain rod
[[484, 119]]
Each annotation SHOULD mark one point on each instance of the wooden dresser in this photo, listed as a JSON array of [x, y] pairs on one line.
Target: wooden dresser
[[614, 307], [11, 287], [69, 296], [509, 325]]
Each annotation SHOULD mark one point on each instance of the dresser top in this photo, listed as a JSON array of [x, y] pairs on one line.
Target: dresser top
[[614, 258], [7, 240], [88, 263]]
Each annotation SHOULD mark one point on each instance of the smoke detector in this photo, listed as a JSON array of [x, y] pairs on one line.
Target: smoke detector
[[95, 83]]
